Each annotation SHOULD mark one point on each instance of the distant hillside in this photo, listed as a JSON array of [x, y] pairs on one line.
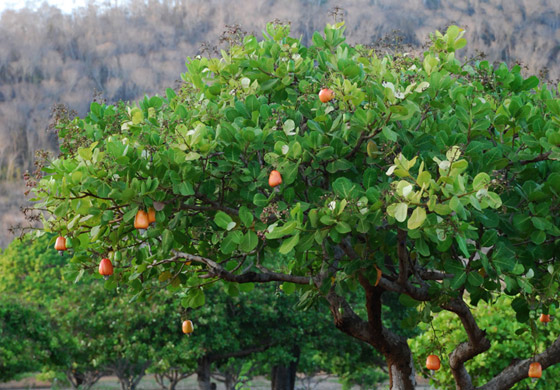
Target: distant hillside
[[140, 46]]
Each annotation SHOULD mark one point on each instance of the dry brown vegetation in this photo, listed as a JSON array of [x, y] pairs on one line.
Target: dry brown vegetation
[[139, 47]]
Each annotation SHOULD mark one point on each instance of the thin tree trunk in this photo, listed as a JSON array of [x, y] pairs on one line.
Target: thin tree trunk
[[229, 381], [172, 385], [283, 377]]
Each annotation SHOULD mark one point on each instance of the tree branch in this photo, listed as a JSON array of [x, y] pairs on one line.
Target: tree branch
[[433, 274], [519, 370], [402, 254], [216, 270], [393, 346], [346, 319], [406, 287], [477, 344], [540, 157]]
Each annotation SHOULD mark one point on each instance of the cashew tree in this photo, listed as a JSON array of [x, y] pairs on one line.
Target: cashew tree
[[423, 175]]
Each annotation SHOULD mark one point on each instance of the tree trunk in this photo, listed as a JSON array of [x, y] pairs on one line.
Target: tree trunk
[[401, 369], [125, 383], [392, 346], [229, 381], [129, 374], [203, 373], [172, 385], [283, 377]]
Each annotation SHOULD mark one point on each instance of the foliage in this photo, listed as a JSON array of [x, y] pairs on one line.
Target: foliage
[[510, 340], [31, 270], [129, 48], [25, 338], [93, 328], [430, 171]]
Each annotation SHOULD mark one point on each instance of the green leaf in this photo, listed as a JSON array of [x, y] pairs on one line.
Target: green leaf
[[424, 179], [342, 227], [475, 279], [458, 281], [481, 181], [246, 216], [417, 218], [191, 156], [389, 134], [462, 242], [489, 238], [281, 231], [85, 153], [289, 173], [344, 188], [167, 240], [288, 287], [288, 245], [407, 301], [260, 200], [249, 242], [318, 40], [246, 287], [422, 247], [401, 211], [530, 83], [521, 309], [231, 241], [137, 116], [223, 220], [198, 299], [538, 237], [130, 214]]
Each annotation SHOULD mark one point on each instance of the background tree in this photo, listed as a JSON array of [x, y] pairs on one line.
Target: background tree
[[423, 173], [25, 338], [88, 329]]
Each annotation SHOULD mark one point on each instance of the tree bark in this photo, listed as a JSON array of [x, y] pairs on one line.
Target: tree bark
[[203, 373]]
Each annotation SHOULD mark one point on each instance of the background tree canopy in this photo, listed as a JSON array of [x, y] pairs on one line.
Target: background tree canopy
[[80, 332], [139, 47], [427, 177]]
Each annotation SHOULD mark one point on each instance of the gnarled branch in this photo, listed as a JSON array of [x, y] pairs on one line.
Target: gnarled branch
[[477, 344]]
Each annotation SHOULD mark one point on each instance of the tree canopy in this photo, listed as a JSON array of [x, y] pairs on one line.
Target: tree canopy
[[425, 176]]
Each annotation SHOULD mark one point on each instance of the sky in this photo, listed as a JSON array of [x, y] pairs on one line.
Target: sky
[[65, 5]]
